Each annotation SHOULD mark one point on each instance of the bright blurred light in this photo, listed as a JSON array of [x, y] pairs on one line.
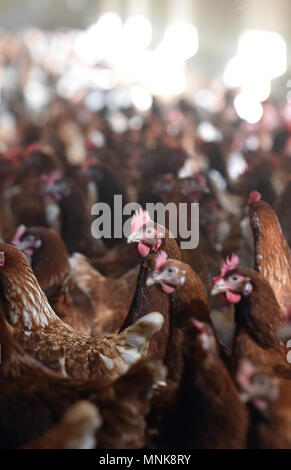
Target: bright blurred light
[[137, 32], [108, 25], [119, 98], [60, 47], [118, 122], [132, 65], [136, 123], [95, 100], [141, 98], [7, 125], [103, 78], [101, 40], [86, 49], [166, 74], [257, 88], [240, 73], [237, 165], [252, 143], [182, 40], [37, 44], [234, 73], [37, 95], [248, 109], [265, 51], [97, 138], [261, 56], [73, 80], [208, 132], [208, 100]]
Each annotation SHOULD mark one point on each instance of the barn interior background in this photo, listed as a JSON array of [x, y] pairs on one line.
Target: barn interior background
[[165, 49]]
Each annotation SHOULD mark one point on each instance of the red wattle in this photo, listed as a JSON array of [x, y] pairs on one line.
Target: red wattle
[[166, 288], [232, 297], [157, 245], [143, 249]]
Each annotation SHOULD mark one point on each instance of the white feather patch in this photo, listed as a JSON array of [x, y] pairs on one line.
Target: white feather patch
[[107, 361]]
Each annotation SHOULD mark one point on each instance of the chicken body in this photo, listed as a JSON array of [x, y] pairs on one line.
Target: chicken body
[[207, 412], [34, 400], [89, 302], [272, 253], [54, 343]]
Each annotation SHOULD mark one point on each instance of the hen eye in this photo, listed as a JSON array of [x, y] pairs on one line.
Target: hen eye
[[234, 278]]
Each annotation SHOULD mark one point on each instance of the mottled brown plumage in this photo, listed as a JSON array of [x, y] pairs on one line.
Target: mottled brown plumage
[[33, 399], [272, 253], [54, 343], [89, 302], [110, 299]]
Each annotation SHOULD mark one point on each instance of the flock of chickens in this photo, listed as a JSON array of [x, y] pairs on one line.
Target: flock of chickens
[[119, 344]]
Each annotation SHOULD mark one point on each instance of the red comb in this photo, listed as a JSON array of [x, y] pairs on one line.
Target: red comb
[[228, 265], [18, 234], [161, 258], [255, 196], [139, 219]]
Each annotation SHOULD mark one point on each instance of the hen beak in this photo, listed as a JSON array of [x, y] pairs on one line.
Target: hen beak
[[218, 288], [154, 278], [134, 237]]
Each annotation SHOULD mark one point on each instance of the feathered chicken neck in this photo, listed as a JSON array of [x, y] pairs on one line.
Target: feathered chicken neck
[[191, 299], [143, 301], [50, 262], [146, 299], [25, 303], [259, 313], [272, 253]]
